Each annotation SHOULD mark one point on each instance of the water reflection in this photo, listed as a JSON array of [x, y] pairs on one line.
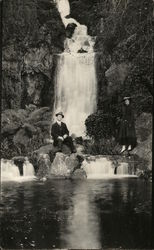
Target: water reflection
[[82, 229], [76, 214]]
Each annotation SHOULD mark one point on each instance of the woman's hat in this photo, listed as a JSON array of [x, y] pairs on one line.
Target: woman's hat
[[126, 98], [60, 113]]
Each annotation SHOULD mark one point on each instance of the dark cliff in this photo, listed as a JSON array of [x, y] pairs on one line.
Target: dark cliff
[[32, 33]]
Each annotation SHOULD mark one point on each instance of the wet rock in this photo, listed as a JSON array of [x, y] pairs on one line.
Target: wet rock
[[79, 174], [44, 165], [59, 167], [19, 161], [46, 149], [146, 175], [143, 150], [37, 154], [64, 165], [65, 149], [79, 148], [70, 29]]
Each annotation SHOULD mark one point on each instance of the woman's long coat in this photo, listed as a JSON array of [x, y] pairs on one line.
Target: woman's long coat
[[127, 133]]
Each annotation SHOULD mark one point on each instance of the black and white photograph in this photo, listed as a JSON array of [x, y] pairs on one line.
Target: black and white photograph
[[76, 124]]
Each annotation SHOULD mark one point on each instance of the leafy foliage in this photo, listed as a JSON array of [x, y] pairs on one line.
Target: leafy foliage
[[100, 125], [102, 146]]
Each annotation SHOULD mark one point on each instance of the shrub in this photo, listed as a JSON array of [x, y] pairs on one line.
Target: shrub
[[100, 125]]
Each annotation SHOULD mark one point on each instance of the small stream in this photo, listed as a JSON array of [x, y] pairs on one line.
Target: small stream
[[89, 214]]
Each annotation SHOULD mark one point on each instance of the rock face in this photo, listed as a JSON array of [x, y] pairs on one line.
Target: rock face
[[116, 76], [143, 151], [32, 33]]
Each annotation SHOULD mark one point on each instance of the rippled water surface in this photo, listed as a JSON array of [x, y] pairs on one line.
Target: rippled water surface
[[76, 214]]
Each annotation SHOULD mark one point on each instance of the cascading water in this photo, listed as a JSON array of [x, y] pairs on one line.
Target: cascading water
[[28, 169], [102, 167], [75, 81], [10, 172]]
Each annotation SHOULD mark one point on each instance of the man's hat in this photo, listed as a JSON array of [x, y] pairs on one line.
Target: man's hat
[[60, 113]]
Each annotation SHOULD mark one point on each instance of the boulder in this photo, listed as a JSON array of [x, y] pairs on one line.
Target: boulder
[[70, 29], [64, 165], [66, 150], [44, 149], [59, 167], [19, 161], [37, 154], [44, 165], [116, 76], [79, 174], [80, 149], [143, 150]]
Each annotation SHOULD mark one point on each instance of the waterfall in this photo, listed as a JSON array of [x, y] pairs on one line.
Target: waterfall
[[123, 169], [98, 168], [75, 81], [28, 169], [10, 172], [101, 167]]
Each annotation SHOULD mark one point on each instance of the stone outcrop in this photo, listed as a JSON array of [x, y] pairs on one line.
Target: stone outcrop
[[116, 76], [143, 150], [64, 165], [79, 174], [32, 33], [44, 165]]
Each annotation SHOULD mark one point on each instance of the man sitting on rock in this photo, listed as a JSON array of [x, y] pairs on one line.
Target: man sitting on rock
[[60, 134]]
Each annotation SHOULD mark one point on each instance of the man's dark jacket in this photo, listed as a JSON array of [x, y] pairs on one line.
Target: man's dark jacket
[[58, 130]]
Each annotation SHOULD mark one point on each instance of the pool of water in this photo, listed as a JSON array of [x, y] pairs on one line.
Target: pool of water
[[91, 214]]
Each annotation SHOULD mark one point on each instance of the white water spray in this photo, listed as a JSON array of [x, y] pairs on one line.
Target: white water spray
[[101, 168], [76, 83], [10, 172]]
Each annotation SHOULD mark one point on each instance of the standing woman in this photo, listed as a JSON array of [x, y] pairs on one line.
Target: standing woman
[[127, 134]]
